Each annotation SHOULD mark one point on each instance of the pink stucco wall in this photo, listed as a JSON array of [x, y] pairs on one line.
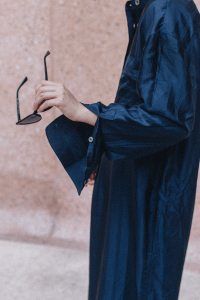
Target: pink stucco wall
[[87, 41]]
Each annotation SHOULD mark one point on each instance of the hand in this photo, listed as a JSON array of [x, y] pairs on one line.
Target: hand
[[56, 94], [92, 178]]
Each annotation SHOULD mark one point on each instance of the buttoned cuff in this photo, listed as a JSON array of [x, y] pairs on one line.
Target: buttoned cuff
[[77, 145]]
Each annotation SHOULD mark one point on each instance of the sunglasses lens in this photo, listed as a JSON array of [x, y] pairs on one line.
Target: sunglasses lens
[[33, 118]]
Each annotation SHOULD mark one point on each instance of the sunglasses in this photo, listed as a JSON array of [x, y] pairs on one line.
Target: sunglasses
[[34, 117]]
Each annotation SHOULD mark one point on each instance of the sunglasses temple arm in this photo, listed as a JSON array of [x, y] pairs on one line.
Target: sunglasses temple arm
[[45, 69], [17, 96], [18, 112], [45, 65]]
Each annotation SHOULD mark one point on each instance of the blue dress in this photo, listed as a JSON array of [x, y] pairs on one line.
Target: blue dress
[[146, 146]]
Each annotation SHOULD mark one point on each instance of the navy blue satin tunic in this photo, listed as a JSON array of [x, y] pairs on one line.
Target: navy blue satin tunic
[[146, 146]]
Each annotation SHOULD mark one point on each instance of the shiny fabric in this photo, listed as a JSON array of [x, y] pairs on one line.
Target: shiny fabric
[[146, 145]]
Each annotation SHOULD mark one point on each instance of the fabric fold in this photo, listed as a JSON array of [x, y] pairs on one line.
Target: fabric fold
[[163, 118], [69, 141]]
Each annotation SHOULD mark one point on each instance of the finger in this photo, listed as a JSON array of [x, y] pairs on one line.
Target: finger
[[37, 88], [46, 83], [43, 96], [43, 89], [91, 182], [93, 175], [48, 103]]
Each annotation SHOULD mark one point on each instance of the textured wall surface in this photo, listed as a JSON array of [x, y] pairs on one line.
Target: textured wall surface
[[38, 201], [87, 41]]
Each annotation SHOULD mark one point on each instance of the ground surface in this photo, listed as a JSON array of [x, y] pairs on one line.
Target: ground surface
[[31, 271]]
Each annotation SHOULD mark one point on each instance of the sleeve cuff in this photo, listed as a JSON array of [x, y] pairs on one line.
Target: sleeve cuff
[[77, 145]]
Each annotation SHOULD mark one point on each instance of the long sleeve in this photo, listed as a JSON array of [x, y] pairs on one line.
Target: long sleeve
[[166, 113], [163, 116]]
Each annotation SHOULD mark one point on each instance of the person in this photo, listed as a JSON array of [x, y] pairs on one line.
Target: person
[[144, 148]]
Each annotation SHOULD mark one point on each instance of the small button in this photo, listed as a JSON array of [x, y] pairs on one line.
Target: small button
[[137, 2], [85, 182], [90, 139]]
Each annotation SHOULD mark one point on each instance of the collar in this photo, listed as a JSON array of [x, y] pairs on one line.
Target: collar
[[133, 11], [135, 4]]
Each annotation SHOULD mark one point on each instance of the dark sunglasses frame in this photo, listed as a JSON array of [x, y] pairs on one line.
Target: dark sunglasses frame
[[34, 117]]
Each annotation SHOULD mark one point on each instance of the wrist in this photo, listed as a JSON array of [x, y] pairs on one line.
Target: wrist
[[86, 116]]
